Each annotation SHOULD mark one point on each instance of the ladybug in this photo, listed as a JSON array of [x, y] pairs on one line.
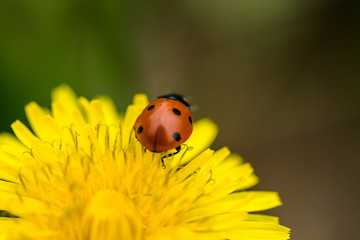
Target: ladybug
[[164, 124]]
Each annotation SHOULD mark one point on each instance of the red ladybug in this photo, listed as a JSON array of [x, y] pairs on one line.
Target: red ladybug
[[164, 124]]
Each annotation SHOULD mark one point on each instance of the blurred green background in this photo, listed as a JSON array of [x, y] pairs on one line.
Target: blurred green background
[[280, 78]]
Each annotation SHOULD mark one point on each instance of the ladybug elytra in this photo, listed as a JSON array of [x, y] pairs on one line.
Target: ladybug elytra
[[164, 124]]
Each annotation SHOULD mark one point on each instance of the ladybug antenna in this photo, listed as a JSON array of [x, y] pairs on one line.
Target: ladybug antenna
[[194, 108], [176, 97]]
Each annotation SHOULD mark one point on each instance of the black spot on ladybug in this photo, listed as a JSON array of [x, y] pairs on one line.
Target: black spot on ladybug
[[176, 111], [190, 120], [150, 107], [139, 130], [176, 136]]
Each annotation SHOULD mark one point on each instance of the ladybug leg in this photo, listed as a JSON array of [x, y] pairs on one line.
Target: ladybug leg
[[169, 155], [177, 150]]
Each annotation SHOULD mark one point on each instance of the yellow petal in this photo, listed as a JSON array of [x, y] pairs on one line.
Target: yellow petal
[[94, 111], [132, 112], [202, 137], [42, 123], [109, 110], [262, 200], [64, 103], [21, 205], [24, 134], [61, 114], [192, 166], [262, 218], [258, 231], [14, 229], [10, 140], [35, 115], [231, 203], [66, 97], [220, 155], [249, 182], [5, 225], [220, 222], [176, 233], [230, 175], [9, 167], [140, 100], [10, 187]]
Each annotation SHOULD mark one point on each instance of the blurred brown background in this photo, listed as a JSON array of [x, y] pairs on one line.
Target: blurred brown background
[[280, 78]]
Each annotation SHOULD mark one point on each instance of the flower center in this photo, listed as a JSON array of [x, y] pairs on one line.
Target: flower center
[[111, 215]]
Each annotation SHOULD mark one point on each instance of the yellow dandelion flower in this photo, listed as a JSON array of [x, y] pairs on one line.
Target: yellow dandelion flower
[[81, 174]]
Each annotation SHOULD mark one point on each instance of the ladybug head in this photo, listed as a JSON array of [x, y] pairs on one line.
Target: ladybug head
[[176, 97]]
